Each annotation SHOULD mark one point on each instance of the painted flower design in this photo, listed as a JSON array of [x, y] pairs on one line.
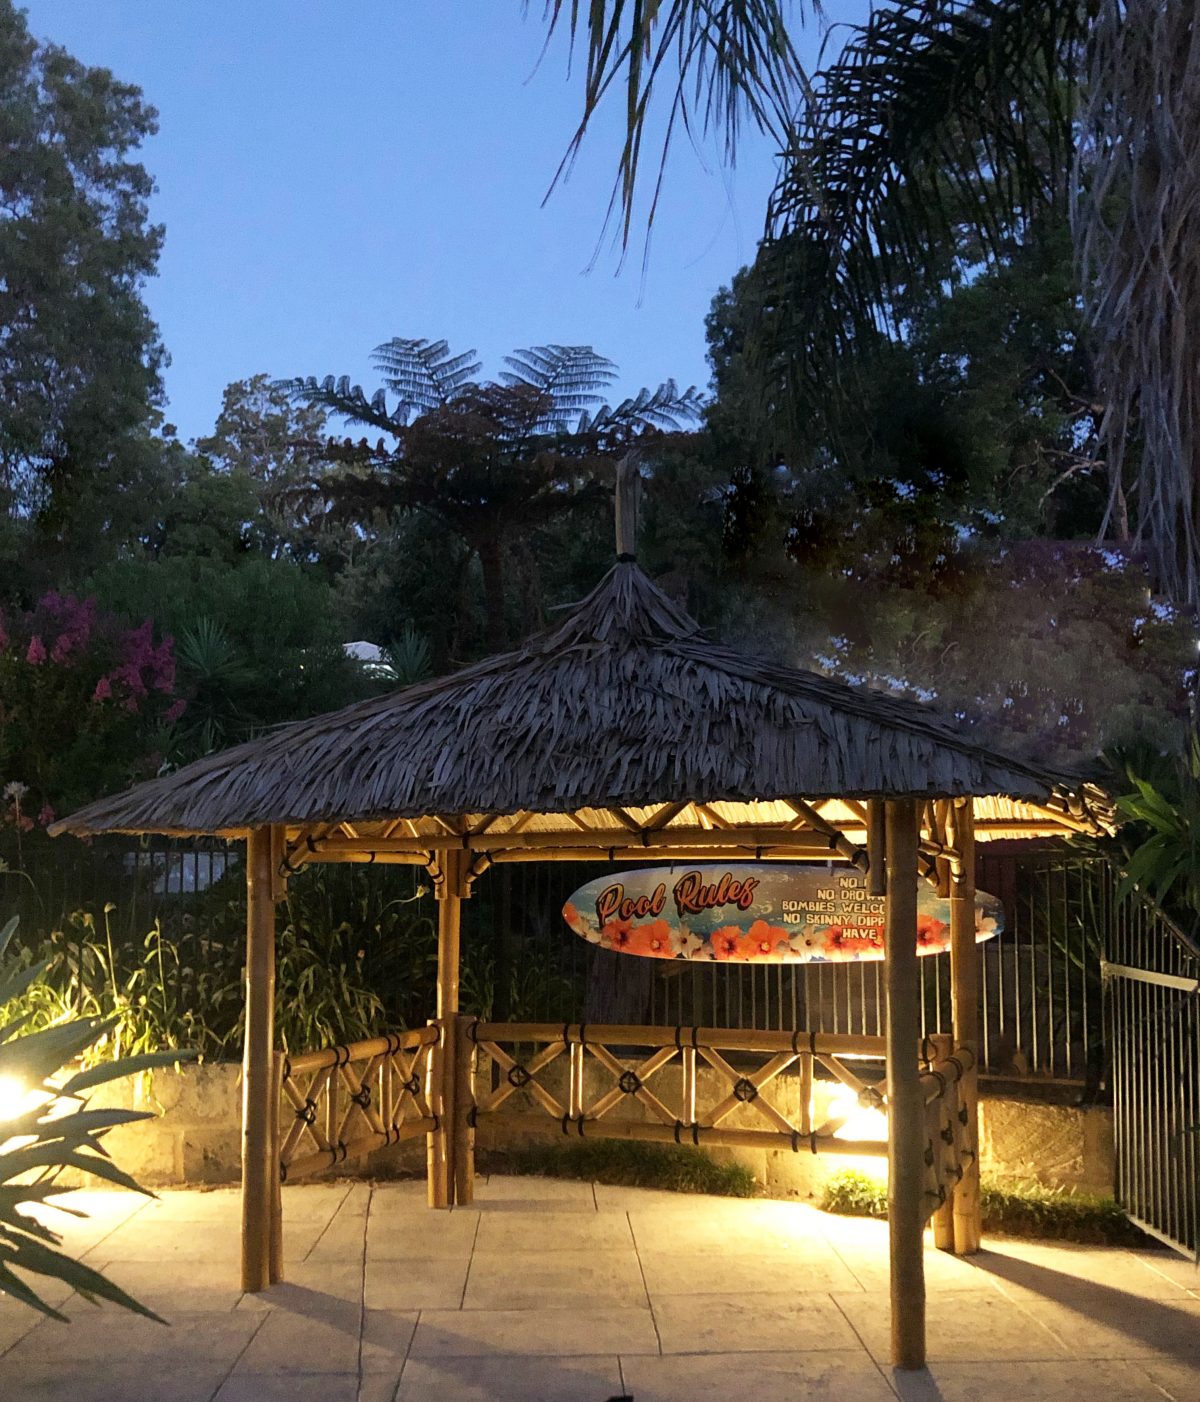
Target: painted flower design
[[760, 941], [931, 934]]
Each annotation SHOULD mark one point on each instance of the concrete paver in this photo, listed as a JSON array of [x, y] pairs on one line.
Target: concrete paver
[[551, 1291]]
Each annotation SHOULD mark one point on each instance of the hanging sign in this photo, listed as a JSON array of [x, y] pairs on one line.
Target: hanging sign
[[756, 913]]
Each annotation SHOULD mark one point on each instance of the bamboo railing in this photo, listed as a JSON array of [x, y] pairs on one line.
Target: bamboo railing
[[670, 1109], [347, 1101]]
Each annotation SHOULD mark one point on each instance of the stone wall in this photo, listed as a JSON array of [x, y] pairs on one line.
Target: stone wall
[[195, 1138]]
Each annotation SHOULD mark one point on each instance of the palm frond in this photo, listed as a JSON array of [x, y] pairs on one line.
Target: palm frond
[[422, 374], [934, 116], [724, 61]]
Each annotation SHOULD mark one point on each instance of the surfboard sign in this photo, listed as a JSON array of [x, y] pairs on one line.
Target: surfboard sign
[[756, 913]]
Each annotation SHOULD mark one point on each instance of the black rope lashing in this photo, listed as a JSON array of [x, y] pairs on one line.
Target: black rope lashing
[[362, 1097], [745, 1090], [629, 1082], [283, 1172], [518, 1077], [472, 1116], [626, 559], [473, 1030], [308, 1112], [412, 1085], [583, 1041]]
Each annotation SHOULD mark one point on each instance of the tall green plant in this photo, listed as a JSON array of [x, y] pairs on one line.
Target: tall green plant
[[51, 1132], [1163, 845]]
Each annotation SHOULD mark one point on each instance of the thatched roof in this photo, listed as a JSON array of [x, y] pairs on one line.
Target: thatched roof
[[624, 704]]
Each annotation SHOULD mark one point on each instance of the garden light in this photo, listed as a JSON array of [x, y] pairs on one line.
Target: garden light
[[859, 1121], [17, 1098]]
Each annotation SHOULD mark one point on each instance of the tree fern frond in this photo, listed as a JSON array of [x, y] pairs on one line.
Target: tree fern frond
[[344, 399], [568, 376], [666, 408], [423, 374]]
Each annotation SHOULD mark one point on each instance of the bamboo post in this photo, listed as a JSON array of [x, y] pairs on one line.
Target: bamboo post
[[906, 1109], [259, 1149], [276, 1175], [804, 1080], [450, 892], [436, 1179], [964, 1009], [464, 1134], [941, 1046]]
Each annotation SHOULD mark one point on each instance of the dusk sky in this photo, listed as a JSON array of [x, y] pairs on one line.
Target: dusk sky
[[333, 175]]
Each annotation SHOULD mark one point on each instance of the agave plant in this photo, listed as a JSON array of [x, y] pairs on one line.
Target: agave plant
[[49, 1130]]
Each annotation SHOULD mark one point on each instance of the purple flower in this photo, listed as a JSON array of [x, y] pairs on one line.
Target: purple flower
[[103, 690], [36, 653]]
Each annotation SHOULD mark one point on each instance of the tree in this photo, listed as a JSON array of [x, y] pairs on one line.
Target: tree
[[976, 98], [80, 358], [489, 461], [264, 437]]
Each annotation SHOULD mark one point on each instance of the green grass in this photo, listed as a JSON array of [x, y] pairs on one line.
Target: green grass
[[628, 1164], [1033, 1211]]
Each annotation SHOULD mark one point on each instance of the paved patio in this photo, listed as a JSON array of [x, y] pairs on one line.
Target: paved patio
[[552, 1291]]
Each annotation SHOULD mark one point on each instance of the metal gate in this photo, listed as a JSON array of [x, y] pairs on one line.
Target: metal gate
[[1152, 980]]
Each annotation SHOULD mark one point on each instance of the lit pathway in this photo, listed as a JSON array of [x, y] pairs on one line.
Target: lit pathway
[[552, 1291]]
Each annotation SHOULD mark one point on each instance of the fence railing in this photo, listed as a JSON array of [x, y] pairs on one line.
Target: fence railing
[[1152, 981], [348, 1101]]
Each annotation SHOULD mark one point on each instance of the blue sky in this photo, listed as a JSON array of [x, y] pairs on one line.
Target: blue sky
[[333, 175]]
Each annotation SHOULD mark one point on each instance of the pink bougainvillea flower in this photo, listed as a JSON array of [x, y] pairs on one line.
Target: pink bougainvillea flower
[[46, 816], [35, 655], [62, 649], [103, 691], [174, 711]]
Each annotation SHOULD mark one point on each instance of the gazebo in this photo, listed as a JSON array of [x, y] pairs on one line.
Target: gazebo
[[622, 733]]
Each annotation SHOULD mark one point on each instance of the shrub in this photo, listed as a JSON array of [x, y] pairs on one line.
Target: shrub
[[630, 1164], [1029, 1210]]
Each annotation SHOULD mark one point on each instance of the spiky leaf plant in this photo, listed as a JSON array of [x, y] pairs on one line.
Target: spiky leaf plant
[[54, 1130]]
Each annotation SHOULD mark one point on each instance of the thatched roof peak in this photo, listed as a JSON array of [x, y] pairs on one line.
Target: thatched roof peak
[[624, 702]]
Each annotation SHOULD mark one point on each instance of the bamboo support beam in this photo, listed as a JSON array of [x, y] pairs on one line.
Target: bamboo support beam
[[360, 1051], [715, 1038], [720, 1137], [463, 1156], [260, 1144], [276, 1173], [964, 1007], [941, 1045], [837, 840], [326, 1159], [452, 887], [906, 1109]]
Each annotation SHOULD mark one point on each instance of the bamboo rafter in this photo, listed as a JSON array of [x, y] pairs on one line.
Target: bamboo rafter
[[348, 1100]]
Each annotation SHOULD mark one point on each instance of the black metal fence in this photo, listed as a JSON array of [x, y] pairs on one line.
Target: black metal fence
[[1151, 972], [1040, 994]]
